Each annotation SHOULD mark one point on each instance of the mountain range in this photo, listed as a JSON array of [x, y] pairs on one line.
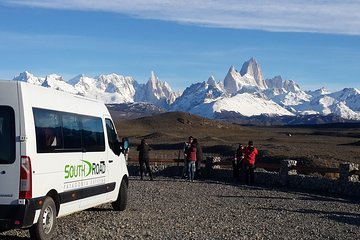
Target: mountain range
[[110, 89], [242, 94]]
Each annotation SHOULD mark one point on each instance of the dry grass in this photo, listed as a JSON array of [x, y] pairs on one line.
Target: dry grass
[[314, 145]]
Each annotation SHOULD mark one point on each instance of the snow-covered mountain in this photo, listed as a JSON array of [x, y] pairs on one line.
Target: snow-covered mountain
[[30, 78], [252, 70], [246, 93], [155, 91], [242, 94], [344, 103], [250, 76], [57, 82], [288, 94], [210, 98], [245, 104], [111, 88], [197, 94]]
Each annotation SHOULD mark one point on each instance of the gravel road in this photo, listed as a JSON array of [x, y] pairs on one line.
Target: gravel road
[[169, 208]]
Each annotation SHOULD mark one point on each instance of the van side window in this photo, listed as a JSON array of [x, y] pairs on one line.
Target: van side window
[[112, 136], [7, 135], [48, 130], [71, 131], [93, 134], [67, 132]]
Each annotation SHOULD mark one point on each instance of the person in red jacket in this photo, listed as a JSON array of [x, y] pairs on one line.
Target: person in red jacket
[[250, 153], [191, 158]]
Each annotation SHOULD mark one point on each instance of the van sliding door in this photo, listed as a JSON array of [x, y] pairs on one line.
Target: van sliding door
[[93, 141]]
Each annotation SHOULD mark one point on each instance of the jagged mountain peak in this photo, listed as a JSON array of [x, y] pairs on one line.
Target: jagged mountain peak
[[24, 76], [252, 68], [57, 82], [282, 85], [318, 92], [217, 86], [211, 81], [248, 66], [322, 91], [112, 77], [156, 92], [232, 69], [76, 79], [153, 80], [196, 95], [29, 77], [346, 93], [156, 85], [115, 83], [342, 110], [351, 91], [249, 77], [275, 82], [232, 81]]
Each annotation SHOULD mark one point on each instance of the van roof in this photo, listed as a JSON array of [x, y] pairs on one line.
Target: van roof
[[48, 98], [30, 85]]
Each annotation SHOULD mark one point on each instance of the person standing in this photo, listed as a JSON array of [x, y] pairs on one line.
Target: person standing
[[199, 158], [185, 150], [191, 158], [144, 158], [250, 153], [238, 162]]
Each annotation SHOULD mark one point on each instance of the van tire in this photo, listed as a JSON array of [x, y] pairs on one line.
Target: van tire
[[121, 202], [46, 224]]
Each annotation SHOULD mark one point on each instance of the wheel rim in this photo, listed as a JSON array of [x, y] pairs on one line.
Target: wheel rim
[[48, 220]]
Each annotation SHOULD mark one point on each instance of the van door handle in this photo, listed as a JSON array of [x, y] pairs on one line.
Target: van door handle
[[2, 172], [110, 161]]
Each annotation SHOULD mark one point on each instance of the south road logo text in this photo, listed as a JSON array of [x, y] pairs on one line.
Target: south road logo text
[[84, 169]]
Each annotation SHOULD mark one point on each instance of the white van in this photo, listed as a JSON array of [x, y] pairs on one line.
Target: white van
[[59, 154]]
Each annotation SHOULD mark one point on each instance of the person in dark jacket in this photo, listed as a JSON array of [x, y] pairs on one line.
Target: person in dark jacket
[[199, 158], [250, 153], [185, 151], [144, 158], [238, 163]]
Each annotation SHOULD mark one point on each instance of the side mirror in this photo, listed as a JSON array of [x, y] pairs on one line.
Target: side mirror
[[125, 144]]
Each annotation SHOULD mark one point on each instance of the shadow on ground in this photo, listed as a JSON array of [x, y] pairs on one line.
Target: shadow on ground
[[343, 217]]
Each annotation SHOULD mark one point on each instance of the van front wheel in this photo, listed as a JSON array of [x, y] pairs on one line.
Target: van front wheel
[[45, 226], [120, 203]]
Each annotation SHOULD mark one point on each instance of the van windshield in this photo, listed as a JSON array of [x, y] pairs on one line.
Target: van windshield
[[7, 135]]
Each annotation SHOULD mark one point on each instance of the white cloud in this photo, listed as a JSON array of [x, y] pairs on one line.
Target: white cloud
[[324, 16]]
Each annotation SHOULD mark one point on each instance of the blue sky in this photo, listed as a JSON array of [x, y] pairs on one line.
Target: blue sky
[[315, 43]]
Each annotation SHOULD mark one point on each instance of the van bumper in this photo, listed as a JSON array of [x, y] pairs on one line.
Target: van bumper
[[19, 216]]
